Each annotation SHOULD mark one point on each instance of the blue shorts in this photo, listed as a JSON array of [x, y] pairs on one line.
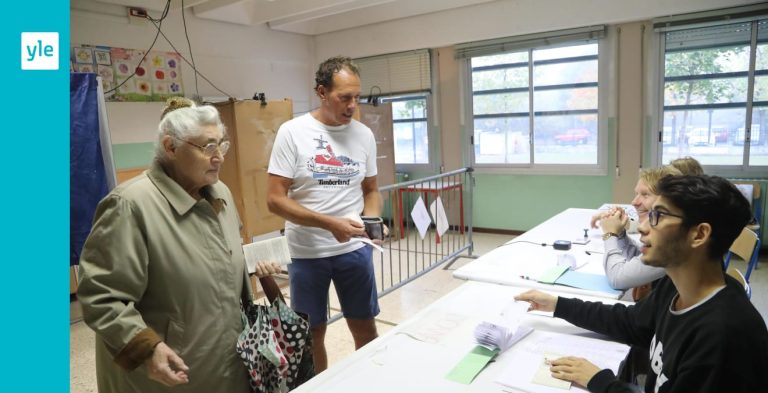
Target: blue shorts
[[354, 280]]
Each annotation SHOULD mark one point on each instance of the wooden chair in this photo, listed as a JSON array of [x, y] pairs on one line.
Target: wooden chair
[[746, 246]]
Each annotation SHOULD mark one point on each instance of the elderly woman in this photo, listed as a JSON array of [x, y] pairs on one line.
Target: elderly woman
[[163, 268]]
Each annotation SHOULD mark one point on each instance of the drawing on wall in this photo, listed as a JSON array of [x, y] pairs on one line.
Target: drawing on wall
[[102, 57], [82, 55], [155, 78]]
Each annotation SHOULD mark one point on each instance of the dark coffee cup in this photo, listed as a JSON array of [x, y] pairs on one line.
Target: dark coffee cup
[[374, 227]]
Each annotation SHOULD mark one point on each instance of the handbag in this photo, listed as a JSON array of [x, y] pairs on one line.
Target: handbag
[[276, 344]]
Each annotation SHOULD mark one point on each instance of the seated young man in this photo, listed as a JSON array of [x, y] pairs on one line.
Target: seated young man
[[700, 329]]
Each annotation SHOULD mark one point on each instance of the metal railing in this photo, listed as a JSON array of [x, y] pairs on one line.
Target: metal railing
[[410, 252]]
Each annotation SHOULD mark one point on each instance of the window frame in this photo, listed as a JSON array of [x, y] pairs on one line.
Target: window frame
[[427, 96], [533, 168], [745, 169]]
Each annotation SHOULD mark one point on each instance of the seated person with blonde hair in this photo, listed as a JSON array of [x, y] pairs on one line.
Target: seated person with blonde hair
[[688, 165]]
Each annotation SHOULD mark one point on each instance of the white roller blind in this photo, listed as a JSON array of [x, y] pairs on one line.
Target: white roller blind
[[548, 39], [724, 35], [397, 73], [711, 18]]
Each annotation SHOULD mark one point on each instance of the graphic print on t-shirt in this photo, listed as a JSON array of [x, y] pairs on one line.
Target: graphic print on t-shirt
[[325, 163]]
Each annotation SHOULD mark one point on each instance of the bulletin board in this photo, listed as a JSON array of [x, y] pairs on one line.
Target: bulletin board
[[157, 78]]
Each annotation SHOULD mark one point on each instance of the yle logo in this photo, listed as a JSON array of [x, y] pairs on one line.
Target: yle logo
[[39, 51]]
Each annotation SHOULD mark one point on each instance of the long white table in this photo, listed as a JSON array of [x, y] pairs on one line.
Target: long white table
[[521, 260], [416, 355]]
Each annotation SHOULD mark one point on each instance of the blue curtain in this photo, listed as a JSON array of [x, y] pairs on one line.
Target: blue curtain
[[87, 177]]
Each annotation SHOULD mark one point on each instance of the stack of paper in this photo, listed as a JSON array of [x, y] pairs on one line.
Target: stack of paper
[[493, 336]]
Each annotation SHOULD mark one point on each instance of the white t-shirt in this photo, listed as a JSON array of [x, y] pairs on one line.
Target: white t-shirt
[[327, 165]]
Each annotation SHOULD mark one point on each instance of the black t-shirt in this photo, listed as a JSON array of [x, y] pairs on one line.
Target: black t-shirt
[[717, 345]]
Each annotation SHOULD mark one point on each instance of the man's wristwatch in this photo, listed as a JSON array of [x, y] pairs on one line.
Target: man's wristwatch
[[608, 235]]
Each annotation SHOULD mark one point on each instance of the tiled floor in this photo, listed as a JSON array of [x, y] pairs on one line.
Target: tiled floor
[[395, 308]]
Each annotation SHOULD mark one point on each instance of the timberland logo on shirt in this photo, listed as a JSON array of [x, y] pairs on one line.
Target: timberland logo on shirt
[[335, 182]]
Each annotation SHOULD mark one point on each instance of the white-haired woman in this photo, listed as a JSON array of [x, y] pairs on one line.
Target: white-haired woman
[[162, 270]]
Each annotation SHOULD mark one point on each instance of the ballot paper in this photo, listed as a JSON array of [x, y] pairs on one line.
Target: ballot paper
[[274, 250], [439, 216], [421, 217], [544, 376], [491, 335], [504, 330]]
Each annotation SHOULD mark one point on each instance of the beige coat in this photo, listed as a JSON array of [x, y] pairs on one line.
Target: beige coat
[[156, 258]]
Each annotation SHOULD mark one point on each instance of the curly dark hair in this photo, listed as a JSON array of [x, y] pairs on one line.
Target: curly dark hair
[[324, 74]]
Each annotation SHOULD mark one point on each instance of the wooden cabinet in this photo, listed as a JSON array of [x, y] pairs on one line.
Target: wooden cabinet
[[252, 127]]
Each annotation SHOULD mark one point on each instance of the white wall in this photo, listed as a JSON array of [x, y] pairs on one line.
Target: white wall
[[502, 18], [240, 60]]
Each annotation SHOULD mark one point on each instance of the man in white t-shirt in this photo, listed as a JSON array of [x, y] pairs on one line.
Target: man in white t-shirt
[[322, 177]]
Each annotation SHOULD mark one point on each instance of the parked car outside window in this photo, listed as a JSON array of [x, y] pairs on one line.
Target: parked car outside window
[[573, 136]]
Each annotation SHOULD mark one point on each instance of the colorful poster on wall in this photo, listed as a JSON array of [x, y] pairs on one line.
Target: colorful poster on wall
[[126, 77]]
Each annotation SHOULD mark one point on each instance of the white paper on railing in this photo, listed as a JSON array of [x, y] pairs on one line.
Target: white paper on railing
[[275, 250], [420, 217], [438, 214]]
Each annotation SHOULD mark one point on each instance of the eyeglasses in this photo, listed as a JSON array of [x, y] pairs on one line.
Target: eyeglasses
[[210, 149], [654, 215]]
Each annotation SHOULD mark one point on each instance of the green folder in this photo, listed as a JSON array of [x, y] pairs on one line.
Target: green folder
[[472, 364], [552, 274]]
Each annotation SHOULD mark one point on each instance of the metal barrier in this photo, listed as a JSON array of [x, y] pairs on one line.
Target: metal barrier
[[407, 254]]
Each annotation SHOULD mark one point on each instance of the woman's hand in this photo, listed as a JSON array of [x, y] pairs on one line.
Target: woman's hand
[[265, 268], [166, 367]]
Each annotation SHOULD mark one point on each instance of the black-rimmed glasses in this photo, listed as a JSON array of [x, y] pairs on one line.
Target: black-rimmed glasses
[[210, 149], [654, 215]]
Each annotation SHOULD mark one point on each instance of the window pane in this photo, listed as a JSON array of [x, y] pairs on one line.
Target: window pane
[[411, 109], [565, 139], [560, 73], [758, 146], [410, 128], [565, 99], [707, 61], [711, 136], [706, 91], [500, 79], [485, 104], [502, 141], [564, 80], [694, 121], [565, 51], [411, 143], [504, 58]]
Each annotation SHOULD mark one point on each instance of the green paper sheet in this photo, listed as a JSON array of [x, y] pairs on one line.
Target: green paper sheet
[[471, 365], [552, 274]]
